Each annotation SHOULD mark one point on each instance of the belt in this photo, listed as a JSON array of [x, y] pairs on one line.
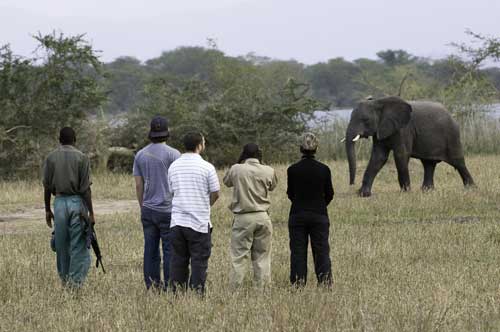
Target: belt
[[249, 212], [66, 195]]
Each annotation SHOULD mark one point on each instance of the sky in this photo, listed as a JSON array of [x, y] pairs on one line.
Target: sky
[[308, 31]]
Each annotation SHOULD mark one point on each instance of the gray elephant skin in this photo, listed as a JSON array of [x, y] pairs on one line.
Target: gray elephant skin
[[421, 129]]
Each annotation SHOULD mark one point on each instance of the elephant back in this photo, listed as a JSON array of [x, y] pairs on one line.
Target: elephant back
[[437, 135]]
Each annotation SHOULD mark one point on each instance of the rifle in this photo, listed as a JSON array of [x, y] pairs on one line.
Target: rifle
[[91, 237]]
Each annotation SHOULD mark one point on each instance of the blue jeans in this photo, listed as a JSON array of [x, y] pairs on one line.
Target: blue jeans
[[156, 226]]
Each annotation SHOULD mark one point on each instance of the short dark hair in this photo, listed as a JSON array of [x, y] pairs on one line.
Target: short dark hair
[[67, 136], [250, 150], [191, 140], [158, 139]]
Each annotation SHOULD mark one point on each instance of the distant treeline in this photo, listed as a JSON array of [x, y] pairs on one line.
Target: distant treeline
[[232, 100], [337, 81]]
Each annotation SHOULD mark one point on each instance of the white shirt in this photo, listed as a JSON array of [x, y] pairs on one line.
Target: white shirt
[[191, 180]]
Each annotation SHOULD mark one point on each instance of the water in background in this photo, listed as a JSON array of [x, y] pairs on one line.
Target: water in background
[[345, 114]]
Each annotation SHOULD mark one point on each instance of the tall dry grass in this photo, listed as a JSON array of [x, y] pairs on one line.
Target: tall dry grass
[[402, 262]]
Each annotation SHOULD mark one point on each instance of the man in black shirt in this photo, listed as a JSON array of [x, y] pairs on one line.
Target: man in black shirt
[[310, 190]]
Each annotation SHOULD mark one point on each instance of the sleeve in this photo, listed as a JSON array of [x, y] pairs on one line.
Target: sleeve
[[169, 180], [228, 178], [213, 180], [328, 187], [289, 189], [47, 174], [136, 169], [85, 175], [274, 181], [177, 155]]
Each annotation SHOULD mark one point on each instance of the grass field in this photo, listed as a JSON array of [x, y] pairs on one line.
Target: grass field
[[402, 262]]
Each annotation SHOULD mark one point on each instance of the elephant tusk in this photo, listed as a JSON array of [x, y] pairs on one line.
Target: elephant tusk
[[356, 138], [342, 140]]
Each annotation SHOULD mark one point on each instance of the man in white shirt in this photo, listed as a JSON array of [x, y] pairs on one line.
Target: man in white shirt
[[195, 187]]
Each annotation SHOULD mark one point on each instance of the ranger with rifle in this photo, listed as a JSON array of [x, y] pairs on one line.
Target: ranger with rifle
[[66, 175]]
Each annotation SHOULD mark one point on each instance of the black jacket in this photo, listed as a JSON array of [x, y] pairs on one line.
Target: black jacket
[[309, 186]]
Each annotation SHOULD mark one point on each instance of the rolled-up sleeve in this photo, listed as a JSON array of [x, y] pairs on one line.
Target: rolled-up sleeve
[[228, 178], [274, 181], [47, 175], [84, 175]]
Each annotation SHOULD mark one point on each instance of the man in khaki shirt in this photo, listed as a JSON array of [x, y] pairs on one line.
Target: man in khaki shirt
[[252, 227]]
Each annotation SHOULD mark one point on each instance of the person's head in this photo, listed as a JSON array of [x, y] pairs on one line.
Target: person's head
[[159, 130], [308, 144], [250, 150], [67, 136], [194, 142]]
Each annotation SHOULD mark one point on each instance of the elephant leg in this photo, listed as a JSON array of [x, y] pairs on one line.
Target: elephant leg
[[378, 159], [459, 165], [429, 167], [402, 160]]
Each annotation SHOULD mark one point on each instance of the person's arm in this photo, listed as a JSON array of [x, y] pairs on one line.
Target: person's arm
[[48, 212], [227, 180], [213, 186], [139, 189], [328, 188], [47, 192], [87, 198], [85, 184], [274, 181], [214, 196], [289, 189]]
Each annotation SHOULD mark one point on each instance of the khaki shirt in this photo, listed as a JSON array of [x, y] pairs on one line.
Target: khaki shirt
[[252, 183], [66, 171]]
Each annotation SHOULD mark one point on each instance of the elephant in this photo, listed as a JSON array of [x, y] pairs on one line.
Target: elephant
[[418, 129]]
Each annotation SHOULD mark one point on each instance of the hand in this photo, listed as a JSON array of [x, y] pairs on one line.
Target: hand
[[48, 218], [92, 219]]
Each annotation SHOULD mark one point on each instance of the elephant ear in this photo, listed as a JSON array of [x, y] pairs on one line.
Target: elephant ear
[[395, 113]]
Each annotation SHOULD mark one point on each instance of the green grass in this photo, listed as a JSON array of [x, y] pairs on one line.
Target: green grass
[[401, 261]]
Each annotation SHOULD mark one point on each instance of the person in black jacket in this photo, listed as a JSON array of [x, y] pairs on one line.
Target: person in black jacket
[[310, 190]]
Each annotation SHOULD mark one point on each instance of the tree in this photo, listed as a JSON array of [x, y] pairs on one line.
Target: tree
[[336, 81], [125, 79], [393, 58], [241, 102], [470, 89], [185, 63], [38, 96]]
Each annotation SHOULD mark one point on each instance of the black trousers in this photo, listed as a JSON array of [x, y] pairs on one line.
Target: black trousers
[[301, 227], [189, 246]]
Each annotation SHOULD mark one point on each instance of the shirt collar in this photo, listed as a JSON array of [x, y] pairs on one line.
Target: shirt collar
[[67, 147], [191, 155], [307, 156], [252, 161]]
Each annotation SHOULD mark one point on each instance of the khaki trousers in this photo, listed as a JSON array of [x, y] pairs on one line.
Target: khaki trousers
[[251, 238]]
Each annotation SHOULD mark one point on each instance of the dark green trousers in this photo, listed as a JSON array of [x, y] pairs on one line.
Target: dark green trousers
[[73, 257]]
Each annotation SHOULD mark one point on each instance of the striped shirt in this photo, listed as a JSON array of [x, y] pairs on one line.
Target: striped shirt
[[191, 180]]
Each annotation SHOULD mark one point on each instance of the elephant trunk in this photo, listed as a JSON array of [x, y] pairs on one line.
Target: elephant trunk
[[351, 154]]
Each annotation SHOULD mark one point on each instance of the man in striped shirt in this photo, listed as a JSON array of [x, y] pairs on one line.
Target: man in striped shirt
[[195, 187]]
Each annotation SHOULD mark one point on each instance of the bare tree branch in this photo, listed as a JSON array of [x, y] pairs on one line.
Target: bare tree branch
[[8, 131], [408, 74]]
